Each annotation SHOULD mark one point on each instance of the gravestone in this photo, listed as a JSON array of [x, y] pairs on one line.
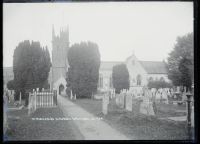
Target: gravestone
[[158, 95], [71, 95], [114, 93], [121, 100], [117, 99], [105, 103], [178, 89], [165, 97], [129, 102], [146, 106]]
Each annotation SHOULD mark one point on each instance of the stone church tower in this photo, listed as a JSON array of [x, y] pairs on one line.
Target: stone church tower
[[60, 46]]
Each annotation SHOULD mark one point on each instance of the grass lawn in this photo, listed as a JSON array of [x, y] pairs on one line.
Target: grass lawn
[[170, 110], [26, 128], [136, 125]]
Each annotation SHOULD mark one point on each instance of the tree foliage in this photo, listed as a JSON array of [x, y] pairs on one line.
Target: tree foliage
[[31, 66], [120, 77], [159, 84], [83, 73], [181, 62], [10, 85]]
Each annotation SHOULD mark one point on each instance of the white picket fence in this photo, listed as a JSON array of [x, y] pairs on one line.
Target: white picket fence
[[42, 100]]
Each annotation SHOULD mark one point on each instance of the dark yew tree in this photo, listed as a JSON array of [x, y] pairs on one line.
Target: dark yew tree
[[83, 73], [120, 77], [10, 85], [31, 66]]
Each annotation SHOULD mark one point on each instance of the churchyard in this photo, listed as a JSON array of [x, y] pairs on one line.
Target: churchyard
[[147, 115], [139, 115], [37, 121]]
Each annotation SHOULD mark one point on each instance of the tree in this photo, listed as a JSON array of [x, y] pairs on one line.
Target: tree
[[181, 62], [10, 85], [83, 73], [186, 76], [159, 84], [31, 66], [120, 77]]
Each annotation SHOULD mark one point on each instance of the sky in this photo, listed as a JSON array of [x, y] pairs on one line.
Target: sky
[[147, 29]]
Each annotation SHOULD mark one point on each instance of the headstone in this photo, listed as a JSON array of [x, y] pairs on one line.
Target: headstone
[[121, 100], [129, 102], [178, 89], [164, 96], [117, 99], [105, 104], [146, 107], [158, 95], [71, 96]]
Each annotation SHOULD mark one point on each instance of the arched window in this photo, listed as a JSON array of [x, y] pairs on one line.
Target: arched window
[[139, 79]]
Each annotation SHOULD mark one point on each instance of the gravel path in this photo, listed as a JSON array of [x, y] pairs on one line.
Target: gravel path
[[91, 128]]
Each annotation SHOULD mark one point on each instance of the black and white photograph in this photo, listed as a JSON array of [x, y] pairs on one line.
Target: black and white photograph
[[98, 71]]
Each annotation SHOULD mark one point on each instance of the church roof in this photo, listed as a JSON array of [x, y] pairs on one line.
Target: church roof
[[154, 67], [108, 65]]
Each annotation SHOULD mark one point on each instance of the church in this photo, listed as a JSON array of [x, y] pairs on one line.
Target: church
[[140, 72]]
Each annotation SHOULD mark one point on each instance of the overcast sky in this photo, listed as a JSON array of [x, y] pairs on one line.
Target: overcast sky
[[147, 28]]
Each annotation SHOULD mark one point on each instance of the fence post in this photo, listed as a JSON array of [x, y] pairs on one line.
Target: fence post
[[51, 98], [45, 99], [20, 98], [35, 100], [39, 101]]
